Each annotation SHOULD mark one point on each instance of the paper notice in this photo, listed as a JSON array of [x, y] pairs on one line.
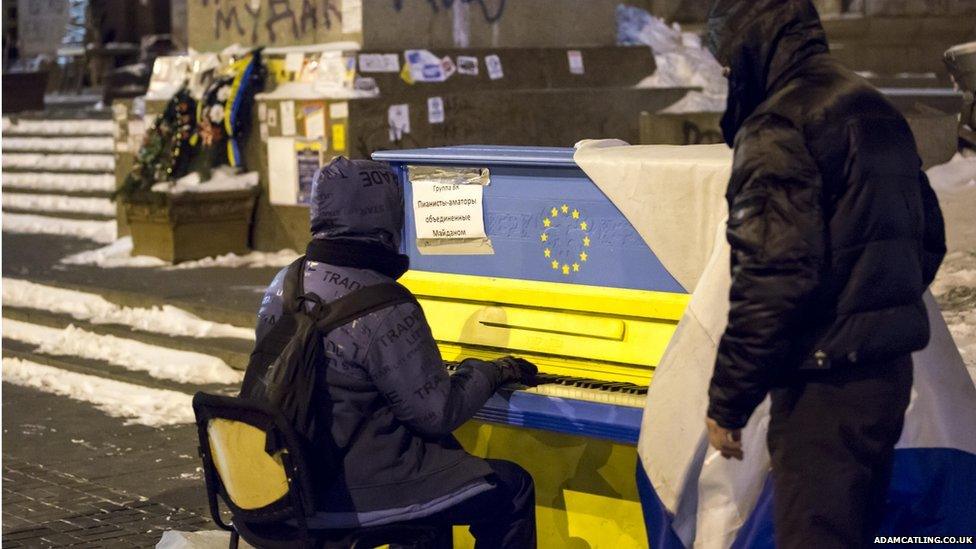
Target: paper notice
[[467, 64], [448, 66], [424, 66], [314, 120], [448, 211], [339, 110], [352, 16], [308, 159], [294, 61], [262, 111], [398, 117], [379, 62], [494, 65], [287, 118], [575, 61], [435, 110]]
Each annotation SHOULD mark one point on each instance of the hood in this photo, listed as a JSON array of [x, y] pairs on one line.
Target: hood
[[359, 200], [762, 42]]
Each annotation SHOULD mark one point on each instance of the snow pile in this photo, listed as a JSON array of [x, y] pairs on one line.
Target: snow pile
[[166, 320], [955, 286], [203, 539], [681, 60], [955, 184], [66, 162], [44, 203], [224, 178], [141, 405], [58, 127], [116, 254], [119, 254], [158, 362], [59, 144], [102, 232], [59, 182]]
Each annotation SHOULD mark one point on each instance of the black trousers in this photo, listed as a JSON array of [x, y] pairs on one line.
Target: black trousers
[[831, 442], [500, 518]]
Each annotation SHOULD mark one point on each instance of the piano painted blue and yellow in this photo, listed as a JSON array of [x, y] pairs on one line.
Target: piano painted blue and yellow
[[572, 287]]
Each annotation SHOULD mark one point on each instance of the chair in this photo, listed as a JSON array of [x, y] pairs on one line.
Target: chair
[[255, 462]]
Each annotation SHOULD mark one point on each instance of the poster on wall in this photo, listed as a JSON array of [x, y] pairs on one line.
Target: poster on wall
[[308, 159]]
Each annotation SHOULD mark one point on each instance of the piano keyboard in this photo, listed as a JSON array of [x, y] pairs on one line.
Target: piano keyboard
[[577, 388]]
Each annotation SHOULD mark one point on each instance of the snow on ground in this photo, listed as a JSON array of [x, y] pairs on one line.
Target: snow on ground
[[59, 144], [222, 179], [102, 232], [66, 162], [955, 286], [63, 182], [140, 405], [94, 308], [45, 203], [58, 127], [681, 60], [159, 362], [119, 254]]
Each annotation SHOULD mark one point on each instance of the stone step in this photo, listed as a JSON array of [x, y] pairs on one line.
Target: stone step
[[235, 352], [34, 162], [62, 183], [26, 351], [58, 205], [70, 216], [59, 144], [58, 127]]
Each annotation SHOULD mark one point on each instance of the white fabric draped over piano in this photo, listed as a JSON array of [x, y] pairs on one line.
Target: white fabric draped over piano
[[674, 197]]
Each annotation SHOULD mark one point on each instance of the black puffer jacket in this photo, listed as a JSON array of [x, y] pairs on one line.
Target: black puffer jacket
[[835, 231]]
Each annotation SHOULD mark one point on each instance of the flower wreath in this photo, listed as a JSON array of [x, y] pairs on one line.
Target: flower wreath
[[165, 151], [223, 114]]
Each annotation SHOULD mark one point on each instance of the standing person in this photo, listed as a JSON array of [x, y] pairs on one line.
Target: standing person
[[835, 235], [392, 403]]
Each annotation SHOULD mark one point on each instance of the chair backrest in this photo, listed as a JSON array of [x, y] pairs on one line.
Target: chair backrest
[[252, 460]]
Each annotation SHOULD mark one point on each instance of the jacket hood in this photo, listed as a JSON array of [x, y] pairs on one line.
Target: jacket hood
[[762, 42], [359, 200]]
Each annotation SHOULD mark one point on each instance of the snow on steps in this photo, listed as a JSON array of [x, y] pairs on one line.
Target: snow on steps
[[59, 182], [59, 162], [88, 144], [59, 204], [41, 127], [102, 232]]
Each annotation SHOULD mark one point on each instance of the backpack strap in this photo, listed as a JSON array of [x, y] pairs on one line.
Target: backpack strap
[[294, 286], [362, 302]]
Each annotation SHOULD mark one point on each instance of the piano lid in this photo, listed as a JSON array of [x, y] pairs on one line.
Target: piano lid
[[481, 155]]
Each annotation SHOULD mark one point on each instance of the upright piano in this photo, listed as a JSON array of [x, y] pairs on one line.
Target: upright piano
[[565, 281]]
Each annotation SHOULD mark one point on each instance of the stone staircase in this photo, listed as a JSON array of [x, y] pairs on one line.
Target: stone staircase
[[59, 172]]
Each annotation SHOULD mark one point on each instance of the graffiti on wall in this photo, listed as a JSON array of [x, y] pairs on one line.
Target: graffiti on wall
[[279, 20], [491, 10]]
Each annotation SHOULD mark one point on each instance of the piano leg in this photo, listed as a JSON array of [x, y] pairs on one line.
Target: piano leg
[[586, 494]]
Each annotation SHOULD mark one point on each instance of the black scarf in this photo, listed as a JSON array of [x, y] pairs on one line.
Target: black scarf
[[359, 255]]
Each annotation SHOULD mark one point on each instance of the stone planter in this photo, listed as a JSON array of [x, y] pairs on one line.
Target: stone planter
[[188, 226]]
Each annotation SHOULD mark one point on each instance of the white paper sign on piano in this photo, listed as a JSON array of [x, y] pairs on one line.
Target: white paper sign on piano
[[448, 208]]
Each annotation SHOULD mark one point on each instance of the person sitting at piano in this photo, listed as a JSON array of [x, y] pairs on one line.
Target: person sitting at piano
[[393, 403]]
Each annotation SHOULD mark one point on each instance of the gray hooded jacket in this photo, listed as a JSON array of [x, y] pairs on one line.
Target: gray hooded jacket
[[393, 403]]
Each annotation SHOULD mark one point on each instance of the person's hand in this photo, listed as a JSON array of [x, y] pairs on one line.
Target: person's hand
[[726, 441], [517, 370]]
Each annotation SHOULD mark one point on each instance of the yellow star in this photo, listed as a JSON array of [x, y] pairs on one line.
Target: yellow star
[[583, 256], [546, 222], [548, 252], [575, 214], [554, 212], [586, 241], [544, 237], [575, 267], [583, 225], [555, 264], [565, 208], [566, 269]]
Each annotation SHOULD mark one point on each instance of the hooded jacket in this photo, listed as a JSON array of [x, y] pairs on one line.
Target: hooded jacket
[[393, 404], [834, 229]]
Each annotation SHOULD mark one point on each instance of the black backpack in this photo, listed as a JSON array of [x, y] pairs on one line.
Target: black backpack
[[287, 364]]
